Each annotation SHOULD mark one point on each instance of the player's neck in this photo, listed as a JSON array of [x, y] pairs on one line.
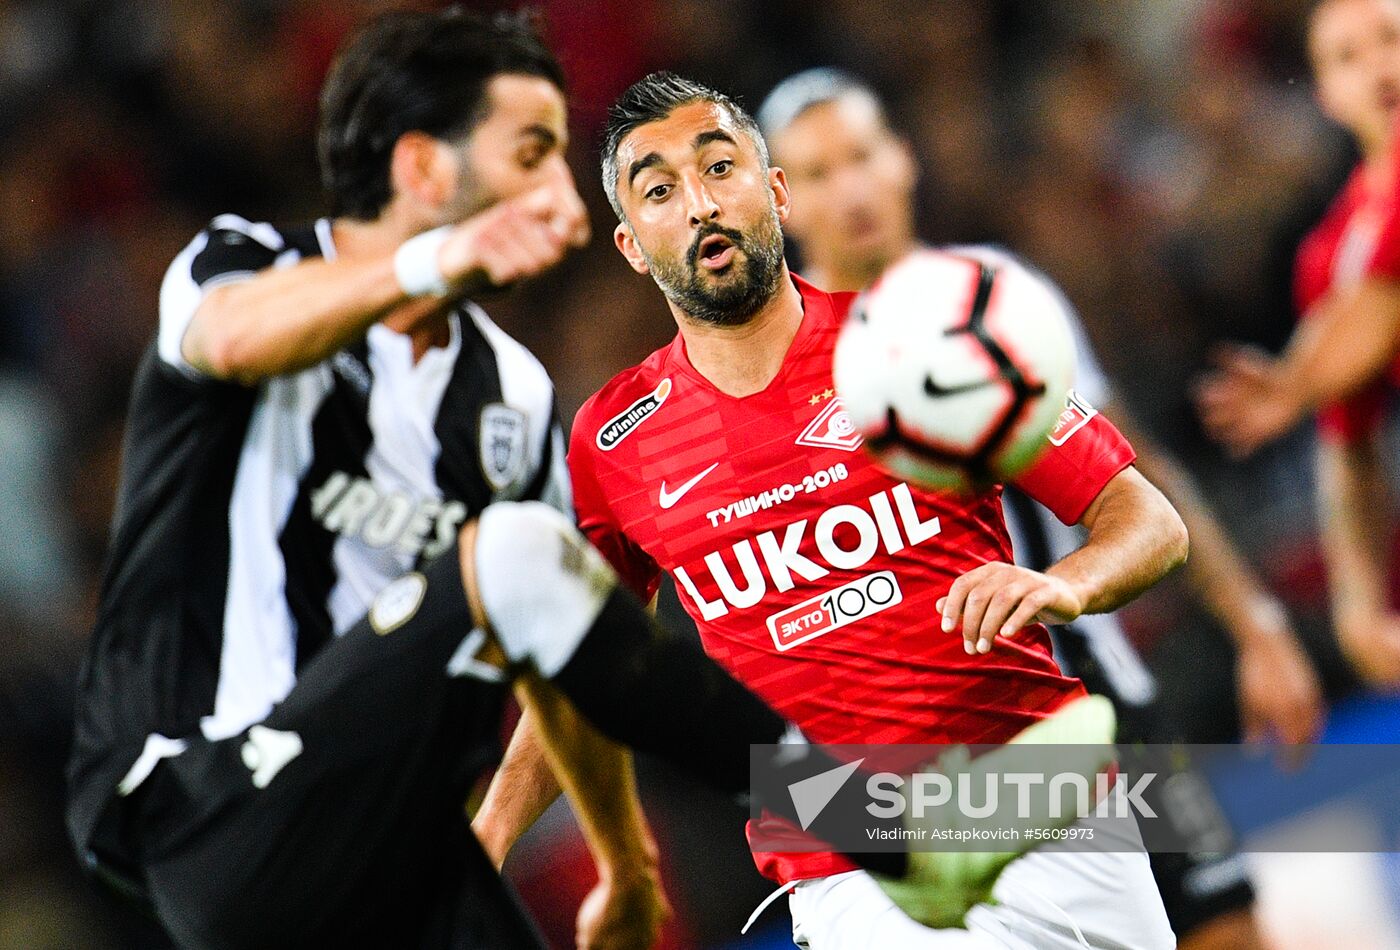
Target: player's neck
[[423, 320], [740, 361], [834, 276], [838, 274], [1380, 169]]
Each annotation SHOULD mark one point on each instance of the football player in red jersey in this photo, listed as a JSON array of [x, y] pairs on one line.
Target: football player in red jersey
[[723, 460], [1342, 359], [853, 180]]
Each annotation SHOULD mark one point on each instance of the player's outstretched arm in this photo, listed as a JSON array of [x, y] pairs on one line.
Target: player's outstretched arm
[[522, 789], [1278, 689], [525, 784], [289, 318], [1346, 343], [1135, 539], [1356, 542], [554, 746]]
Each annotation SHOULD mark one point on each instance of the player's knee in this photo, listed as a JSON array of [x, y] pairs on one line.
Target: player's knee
[[541, 583]]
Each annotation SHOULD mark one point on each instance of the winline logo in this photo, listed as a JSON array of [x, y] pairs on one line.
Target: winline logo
[[625, 422]]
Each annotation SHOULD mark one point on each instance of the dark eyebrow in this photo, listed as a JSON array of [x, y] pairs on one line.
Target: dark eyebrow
[[641, 165], [544, 133], [712, 135], [654, 158]]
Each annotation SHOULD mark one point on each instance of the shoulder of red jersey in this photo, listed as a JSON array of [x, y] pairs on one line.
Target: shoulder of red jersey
[[630, 396], [1313, 261], [1339, 210], [839, 302]]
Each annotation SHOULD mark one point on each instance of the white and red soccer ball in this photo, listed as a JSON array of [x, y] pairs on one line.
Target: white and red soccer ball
[[955, 366]]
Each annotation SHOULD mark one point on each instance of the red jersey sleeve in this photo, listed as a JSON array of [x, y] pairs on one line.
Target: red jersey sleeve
[[595, 519], [1356, 418], [1086, 451], [1385, 260]]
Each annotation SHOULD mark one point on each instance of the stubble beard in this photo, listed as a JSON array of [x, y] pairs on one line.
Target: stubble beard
[[716, 300]]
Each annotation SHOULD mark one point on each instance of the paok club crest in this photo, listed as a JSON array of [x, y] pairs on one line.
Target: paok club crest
[[502, 444]]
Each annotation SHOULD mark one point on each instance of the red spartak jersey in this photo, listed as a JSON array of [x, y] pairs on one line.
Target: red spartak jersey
[[1358, 237], [811, 572]]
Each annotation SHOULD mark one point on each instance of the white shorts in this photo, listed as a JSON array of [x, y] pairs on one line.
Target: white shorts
[[1050, 898]]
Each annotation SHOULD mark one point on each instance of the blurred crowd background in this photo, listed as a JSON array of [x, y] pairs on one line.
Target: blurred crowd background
[[1159, 159]]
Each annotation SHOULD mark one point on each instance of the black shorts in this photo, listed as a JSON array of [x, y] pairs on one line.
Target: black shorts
[[360, 838], [1196, 886]]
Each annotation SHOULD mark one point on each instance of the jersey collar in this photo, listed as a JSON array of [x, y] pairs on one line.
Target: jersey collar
[[817, 311]]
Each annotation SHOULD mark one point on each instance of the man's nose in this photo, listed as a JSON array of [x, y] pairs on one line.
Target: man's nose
[[701, 203]]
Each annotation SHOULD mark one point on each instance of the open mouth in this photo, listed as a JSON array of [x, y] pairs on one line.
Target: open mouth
[[716, 252]]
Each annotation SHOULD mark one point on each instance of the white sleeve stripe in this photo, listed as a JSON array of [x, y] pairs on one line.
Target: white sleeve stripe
[[179, 299], [262, 232], [181, 294]]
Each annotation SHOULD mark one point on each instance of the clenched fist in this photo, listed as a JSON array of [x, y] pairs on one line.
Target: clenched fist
[[517, 238]]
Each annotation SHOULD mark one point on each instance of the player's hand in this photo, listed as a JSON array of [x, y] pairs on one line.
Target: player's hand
[[1247, 401], [999, 599], [1279, 694], [623, 912], [1372, 644], [518, 238]]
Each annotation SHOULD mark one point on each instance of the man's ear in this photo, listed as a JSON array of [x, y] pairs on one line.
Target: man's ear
[[626, 242], [782, 198], [423, 170]]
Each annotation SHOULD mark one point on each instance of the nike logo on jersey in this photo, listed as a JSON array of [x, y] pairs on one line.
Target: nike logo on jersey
[[669, 499]]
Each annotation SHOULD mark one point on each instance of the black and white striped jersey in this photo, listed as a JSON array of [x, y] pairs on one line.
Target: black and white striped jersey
[[254, 524]]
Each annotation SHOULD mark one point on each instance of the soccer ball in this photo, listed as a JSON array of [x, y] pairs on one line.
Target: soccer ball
[[954, 367]]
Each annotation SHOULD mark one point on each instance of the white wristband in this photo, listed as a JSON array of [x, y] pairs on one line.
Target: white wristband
[[416, 264]]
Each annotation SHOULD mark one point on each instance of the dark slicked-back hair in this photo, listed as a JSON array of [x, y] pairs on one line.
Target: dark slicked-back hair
[[652, 99], [405, 72]]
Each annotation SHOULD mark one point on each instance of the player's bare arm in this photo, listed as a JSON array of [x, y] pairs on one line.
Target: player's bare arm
[[627, 907], [1356, 541], [522, 789], [555, 748], [287, 319], [525, 785], [1278, 689], [1346, 343], [1135, 539]]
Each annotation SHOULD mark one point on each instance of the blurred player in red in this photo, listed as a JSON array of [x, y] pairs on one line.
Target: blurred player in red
[[725, 460], [1342, 360], [853, 180]]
